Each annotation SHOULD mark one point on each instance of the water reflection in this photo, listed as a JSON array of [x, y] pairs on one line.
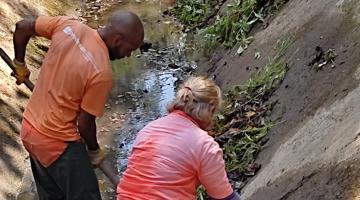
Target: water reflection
[[144, 84]]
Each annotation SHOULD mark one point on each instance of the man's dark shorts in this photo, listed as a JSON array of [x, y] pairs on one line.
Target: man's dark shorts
[[70, 177]]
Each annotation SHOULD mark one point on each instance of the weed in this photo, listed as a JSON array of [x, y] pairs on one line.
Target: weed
[[272, 74], [234, 25], [191, 12], [229, 29], [243, 124], [200, 193]]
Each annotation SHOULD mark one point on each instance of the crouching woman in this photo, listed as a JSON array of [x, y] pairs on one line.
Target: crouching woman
[[173, 155]]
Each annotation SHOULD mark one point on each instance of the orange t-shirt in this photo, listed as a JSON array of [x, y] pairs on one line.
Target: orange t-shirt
[[75, 74], [42, 148], [171, 156]]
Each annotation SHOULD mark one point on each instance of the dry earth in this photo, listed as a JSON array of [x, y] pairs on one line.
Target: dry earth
[[313, 151]]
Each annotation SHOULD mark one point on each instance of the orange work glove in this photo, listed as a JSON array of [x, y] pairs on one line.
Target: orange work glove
[[21, 71], [96, 157]]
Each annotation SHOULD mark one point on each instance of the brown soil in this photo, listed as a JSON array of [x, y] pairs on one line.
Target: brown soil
[[304, 93], [316, 182]]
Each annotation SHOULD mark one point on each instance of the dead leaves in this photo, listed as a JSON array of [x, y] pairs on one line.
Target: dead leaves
[[245, 127], [249, 114], [320, 58], [242, 125]]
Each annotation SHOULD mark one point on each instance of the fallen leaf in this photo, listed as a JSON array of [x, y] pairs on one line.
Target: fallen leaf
[[240, 50], [250, 114], [220, 117], [257, 55]]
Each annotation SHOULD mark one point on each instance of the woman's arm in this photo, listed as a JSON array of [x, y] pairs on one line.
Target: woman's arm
[[212, 174], [233, 196]]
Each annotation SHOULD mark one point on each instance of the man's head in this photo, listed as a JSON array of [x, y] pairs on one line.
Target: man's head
[[123, 34]]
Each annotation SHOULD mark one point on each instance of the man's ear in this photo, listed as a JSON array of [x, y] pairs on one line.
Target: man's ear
[[118, 39]]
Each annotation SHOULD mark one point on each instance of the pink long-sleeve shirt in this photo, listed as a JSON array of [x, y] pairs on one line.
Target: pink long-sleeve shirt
[[171, 157]]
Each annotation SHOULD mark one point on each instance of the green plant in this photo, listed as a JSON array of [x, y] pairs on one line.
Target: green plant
[[191, 12], [233, 27], [230, 28], [243, 123], [271, 75], [200, 193]]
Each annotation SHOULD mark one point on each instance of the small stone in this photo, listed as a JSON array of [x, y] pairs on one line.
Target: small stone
[[83, 19], [104, 130], [87, 15], [239, 185], [173, 66], [145, 47], [94, 8]]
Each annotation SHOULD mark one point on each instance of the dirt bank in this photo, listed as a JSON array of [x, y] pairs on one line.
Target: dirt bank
[[312, 151]]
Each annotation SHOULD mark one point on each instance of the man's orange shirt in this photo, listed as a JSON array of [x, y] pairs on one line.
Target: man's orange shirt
[[75, 74]]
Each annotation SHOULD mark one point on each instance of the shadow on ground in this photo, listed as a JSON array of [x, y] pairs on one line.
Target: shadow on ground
[[330, 181], [12, 154]]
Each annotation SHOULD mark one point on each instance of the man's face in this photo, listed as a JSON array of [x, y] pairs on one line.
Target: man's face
[[122, 48]]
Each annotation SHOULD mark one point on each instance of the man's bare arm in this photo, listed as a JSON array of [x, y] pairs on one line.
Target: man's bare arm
[[87, 129], [24, 30]]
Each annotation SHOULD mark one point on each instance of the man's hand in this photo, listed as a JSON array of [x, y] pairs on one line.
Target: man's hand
[[21, 72], [96, 156]]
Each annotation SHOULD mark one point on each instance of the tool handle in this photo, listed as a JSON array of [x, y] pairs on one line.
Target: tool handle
[[109, 172], [8, 61]]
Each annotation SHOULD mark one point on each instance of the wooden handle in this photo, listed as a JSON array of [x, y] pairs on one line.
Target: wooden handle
[[109, 172], [8, 61]]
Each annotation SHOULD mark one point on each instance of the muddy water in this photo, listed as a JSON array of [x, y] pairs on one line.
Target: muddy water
[[143, 83]]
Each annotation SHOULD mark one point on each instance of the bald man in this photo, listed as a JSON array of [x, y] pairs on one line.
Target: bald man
[[58, 128]]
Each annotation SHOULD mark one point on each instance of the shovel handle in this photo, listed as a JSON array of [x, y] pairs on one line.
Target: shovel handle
[[109, 172], [8, 61]]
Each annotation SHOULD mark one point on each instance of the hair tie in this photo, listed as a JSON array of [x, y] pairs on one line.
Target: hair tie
[[188, 88]]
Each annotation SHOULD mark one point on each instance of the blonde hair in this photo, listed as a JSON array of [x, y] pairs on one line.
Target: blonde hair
[[198, 97]]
